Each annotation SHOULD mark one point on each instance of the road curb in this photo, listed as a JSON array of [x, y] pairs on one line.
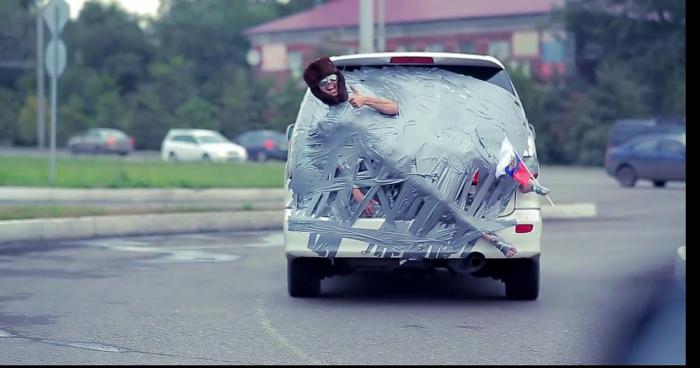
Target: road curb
[[131, 225], [570, 211], [177, 223]]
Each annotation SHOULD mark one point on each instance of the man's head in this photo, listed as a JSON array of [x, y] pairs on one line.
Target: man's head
[[326, 82]]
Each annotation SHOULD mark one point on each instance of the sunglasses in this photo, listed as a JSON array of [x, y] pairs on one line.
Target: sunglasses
[[327, 80]]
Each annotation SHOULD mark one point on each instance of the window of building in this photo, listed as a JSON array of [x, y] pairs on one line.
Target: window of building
[[294, 60], [499, 49], [467, 47], [434, 47], [274, 57], [526, 44]]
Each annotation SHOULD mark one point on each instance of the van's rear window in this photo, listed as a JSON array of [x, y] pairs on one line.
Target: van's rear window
[[496, 76]]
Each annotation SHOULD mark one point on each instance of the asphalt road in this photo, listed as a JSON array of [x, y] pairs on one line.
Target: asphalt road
[[221, 298], [137, 155]]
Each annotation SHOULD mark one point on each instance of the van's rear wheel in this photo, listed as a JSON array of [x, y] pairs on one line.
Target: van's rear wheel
[[304, 276], [523, 279]]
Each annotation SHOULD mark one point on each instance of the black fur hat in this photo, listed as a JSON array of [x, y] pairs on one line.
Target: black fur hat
[[319, 69]]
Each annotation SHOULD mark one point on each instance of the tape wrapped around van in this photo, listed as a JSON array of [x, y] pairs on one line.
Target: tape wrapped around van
[[428, 172]]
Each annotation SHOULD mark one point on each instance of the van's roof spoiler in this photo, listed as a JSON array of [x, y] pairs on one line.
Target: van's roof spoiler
[[412, 58]]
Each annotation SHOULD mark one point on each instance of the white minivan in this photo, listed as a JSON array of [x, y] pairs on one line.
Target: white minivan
[[307, 266]]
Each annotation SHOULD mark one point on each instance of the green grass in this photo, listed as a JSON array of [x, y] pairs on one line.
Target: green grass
[[119, 173], [26, 212]]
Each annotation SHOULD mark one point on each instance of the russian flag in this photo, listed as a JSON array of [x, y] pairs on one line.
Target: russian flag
[[519, 172], [511, 164]]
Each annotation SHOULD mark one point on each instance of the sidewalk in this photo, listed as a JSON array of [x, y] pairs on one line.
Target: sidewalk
[[267, 213]]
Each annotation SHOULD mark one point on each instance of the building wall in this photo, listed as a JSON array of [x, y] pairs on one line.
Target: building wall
[[527, 40]]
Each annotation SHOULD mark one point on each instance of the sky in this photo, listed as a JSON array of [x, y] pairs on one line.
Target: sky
[[142, 7]]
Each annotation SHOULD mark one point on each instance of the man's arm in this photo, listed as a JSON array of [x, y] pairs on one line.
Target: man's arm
[[382, 105]]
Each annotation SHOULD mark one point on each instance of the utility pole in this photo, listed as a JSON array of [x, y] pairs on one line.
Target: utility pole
[[381, 30], [366, 26], [40, 106]]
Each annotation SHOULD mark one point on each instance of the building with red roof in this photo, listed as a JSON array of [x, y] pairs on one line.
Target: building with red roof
[[520, 33]]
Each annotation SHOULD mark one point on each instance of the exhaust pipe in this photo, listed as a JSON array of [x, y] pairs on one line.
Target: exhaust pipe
[[473, 263]]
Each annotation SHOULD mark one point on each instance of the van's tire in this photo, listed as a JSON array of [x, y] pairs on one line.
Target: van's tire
[[626, 176], [304, 276], [659, 183], [522, 279]]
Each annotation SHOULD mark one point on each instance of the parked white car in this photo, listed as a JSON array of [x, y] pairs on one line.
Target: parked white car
[[310, 257], [200, 144]]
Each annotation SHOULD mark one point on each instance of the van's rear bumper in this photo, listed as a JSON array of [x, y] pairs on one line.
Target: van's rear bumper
[[527, 244]]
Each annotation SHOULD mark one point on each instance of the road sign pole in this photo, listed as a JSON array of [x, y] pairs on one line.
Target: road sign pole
[[56, 15], [40, 105], [54, 91]]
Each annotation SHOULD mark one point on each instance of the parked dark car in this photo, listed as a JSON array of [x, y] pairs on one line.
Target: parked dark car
[[624, 130], [101, 140], [658, 157], [264, 144]]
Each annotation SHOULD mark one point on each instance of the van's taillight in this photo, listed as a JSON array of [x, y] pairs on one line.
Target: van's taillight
[[523, 228], [269, 144], [132, 141], [111, 141], [411, 60]]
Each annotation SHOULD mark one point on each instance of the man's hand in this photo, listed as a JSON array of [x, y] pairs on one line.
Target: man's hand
[[382, 105], [357, 100]]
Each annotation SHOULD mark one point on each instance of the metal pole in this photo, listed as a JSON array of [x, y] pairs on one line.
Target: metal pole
[[54, 92], [52, 165], [381, 30], [366, 26], [40, 106]]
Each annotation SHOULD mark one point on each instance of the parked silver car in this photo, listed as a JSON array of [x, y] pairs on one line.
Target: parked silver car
[[101, 140]]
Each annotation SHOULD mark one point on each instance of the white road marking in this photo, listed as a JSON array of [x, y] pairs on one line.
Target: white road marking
[[267, 327]]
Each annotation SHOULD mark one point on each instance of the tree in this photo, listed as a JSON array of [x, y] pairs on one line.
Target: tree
[[17, 26], [89, 99], [645, 37], [148, 117], [8, 115], [284, 104], [153, 109], [242, 100], [109, 40]]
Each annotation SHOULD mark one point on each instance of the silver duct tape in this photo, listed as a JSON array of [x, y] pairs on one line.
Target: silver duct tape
[[416, 169]]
